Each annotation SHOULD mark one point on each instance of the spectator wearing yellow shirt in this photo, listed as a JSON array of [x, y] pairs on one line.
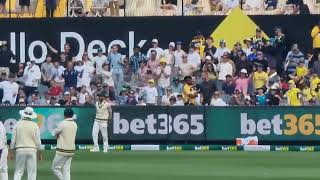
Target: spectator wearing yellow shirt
[[301, 72], [260, 78], [189, 94], [315, 34], [294, 95], [308, 99], [314, 81]]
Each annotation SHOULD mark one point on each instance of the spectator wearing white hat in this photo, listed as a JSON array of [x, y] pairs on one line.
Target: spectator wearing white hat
[[26, 142], [168, 54], [242, 83], [32, 76], [221, 50], [10, 89], [155, 46]]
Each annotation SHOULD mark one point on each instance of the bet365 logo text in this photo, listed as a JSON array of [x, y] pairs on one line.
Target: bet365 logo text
[[160, 124], [290, 125]]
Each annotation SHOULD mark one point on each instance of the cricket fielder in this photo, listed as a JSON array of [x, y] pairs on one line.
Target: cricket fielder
[[26, 142], [103, 115], [66, 136], [3, 153]]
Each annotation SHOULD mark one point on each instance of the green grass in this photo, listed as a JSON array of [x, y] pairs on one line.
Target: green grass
[[187, 165]]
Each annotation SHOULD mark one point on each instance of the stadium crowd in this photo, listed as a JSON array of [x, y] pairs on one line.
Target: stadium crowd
[[258, 71]]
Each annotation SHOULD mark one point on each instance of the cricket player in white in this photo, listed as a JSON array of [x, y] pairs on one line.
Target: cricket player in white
[[103, 115], [3, 153], [26, 142], [66, 136]]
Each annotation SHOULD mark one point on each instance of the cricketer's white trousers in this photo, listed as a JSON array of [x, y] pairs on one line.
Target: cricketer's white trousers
[[103, 128], [4, 164], [61, 166], [24, 159]]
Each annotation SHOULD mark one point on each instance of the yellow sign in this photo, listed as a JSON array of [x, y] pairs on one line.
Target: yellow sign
[[237, 26]]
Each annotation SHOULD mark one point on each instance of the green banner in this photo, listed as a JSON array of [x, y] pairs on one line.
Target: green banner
[[268, 123]]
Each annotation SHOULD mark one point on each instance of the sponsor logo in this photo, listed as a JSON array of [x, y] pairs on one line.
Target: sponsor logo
[[161, 124], [201, 148], [229, 148], [289, 125], [307, 149], [174, 148], [282, 148]]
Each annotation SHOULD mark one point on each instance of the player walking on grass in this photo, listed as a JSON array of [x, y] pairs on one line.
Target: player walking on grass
[[66, 136], [103, 115], [3, 153], [26, 142]]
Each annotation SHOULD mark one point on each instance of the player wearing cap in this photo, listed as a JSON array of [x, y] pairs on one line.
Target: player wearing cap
[[103, 116], [3, 153], [66, 136], [26, 142]]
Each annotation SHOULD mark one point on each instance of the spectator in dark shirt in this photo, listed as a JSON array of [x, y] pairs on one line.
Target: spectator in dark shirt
[[210, 49], [280, 48], [261, 61], [273, 99], [7, 58], [243, 63], [229, 86], [316, 66], [131, 98], [70, 76], [271, 4], [207, 87]]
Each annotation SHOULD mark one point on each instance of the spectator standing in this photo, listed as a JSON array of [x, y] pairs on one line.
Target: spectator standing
[[64, 56], [189, 93], [221, 50], [194, 58], [155, 47], [176, 86], [293, 95], [107, 75], [316, 65], [248, 46], [186, 68], [293, 58], [258, 40], [99, 8], [32, 76], [168, 54], [224, 68], [274, 78], [315, 34], [242, 83], [261, 61], [271, 4], [50, 8], [99, 61], [136, 59], [85, 74], [260, 78], [243, 63], [207, 87], [10, 89], [114, 7], [116, 64], [216, 100], [163, 74], [46, 71], [57, 72], [7, 58], [178, 53], [151, 93], [210, 49], [153, 62], [280, 45], [70, 76]]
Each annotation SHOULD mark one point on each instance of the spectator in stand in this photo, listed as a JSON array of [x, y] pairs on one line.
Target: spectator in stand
[[3, 10], [176, 86], [107, 75], [77, 9], [229, 5], [99, 8], [10, 89], [194, 57], [242, 82], [293, 58], [294, 95], [225, 67], [165, 101], [316, 65], [114, 7], [186, 68], [210, 49], [51, 5], [163, 74], [151, 93], [45, 101], [207, 87], [253, 55], [141, 102], [216, 6], [74, 101], [178, 53], [116, 64], [100, 60], [153, 62], [70, 76], [136, 59], [88, 101], [66, 99], [32, 76], [55, 89], [168, 54], [46, 71], [299, 7], [271, 4], [315, 34], [272, 98], [237, 99], [57, 72], [261, 61], [260, 78], [172, 101], [252, 5], [131, 100], [221, 50], [261, 99], [86, 74], [34, 100], [280, 48], [189, 93], [274, 78], [228, 86], [210, 69], [142, 74], [82, 95], [155, 47], [216, 100], [86, 61], [243, 63], [248, 46], [258, 40], [7, 58], [65, 56]]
